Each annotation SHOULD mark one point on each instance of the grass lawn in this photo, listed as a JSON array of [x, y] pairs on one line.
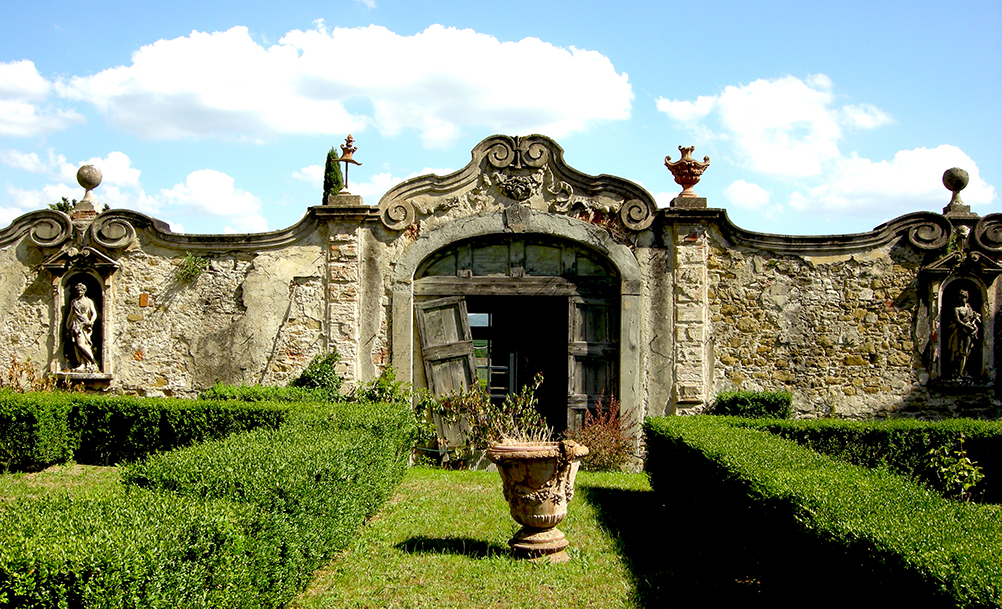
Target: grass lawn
[[442, 542]]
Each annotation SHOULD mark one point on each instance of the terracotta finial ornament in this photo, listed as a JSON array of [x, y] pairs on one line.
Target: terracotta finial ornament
[[347, 149], [687, 170]]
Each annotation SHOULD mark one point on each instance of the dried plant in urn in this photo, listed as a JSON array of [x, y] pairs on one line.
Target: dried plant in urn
[[537, 473]]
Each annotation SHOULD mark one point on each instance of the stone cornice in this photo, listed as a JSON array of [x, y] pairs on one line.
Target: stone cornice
[[925, 230]]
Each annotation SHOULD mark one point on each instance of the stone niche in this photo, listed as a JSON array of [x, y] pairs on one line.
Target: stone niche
[[80, 314], [961, 294]]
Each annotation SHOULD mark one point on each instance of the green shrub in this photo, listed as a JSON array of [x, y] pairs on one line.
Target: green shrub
[[905, 446], [754, 404], [385, 388], [321, 373], [117, 429], [242, 521], [902, 531], [38, 429], [263, 393], [141, 550], [35, 431]]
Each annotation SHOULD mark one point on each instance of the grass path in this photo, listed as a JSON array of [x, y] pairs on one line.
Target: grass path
[[442, 542]]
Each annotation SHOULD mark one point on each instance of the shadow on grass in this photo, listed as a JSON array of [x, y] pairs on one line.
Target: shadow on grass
[[702, 552], [464, 546]]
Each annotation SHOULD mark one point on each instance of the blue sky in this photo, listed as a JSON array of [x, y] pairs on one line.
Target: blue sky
[[819, 118]]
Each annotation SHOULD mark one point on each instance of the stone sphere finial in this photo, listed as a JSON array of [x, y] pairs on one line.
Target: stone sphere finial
[[89, 177], [955, 180]]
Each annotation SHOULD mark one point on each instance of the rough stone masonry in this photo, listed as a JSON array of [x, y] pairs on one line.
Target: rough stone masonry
[[581, 276]]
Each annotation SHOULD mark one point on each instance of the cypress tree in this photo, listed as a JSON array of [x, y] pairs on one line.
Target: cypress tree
[[333, 182]]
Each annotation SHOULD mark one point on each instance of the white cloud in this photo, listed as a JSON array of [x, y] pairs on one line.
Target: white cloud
[[912, 180], [22, 88], [789, 130], [27, 161], [21, 201], [785, 127], [368, 3], [747, 195], [116, 170], [210, 192], [438, 82], [311, 174]]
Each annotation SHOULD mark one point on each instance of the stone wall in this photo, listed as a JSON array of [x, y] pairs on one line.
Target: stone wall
[[854, 326]]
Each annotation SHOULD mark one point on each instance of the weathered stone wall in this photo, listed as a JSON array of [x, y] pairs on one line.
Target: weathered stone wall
[[849, 324], [837, 330]]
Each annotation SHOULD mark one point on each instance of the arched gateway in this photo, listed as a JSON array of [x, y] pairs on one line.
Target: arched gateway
[[516, 286]]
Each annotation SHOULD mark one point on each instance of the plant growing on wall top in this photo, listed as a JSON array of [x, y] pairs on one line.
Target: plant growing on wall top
[[190, 268], [333, 181]]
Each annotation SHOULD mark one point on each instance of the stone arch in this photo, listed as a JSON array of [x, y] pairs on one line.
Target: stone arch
[[540, 224]]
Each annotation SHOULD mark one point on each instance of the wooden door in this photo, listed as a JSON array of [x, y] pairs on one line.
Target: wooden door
[[446, 345], [592, 354]]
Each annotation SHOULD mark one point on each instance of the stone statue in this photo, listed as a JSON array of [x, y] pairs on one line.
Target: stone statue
[[965, 332], [80, 324]]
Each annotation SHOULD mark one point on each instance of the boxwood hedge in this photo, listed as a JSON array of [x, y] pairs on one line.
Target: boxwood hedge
[[39, 429], [241, 521], [903, 532], [901, 445]]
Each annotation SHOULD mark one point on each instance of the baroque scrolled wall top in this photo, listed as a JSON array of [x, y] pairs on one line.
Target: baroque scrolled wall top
[[988, 233], [931, 233], [112, 231]]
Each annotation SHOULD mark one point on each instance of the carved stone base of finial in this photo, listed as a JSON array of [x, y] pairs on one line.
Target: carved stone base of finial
[[689, 202], [344, 199]]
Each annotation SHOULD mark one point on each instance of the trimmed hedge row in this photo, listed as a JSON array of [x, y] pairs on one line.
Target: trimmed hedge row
[[243, 521], [902, 531], [39, 429], [901, 445]]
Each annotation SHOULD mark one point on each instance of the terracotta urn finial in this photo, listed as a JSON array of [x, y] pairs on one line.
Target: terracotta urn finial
[[687, 170]]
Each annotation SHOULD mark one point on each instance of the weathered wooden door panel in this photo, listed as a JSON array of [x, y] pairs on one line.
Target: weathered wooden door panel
[[592, 353], [446, 344]]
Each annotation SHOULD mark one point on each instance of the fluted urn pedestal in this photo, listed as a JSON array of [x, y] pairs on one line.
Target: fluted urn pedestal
[[538, 481]]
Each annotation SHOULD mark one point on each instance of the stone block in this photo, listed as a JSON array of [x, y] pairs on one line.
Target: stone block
[[689, 202], [344, 200]]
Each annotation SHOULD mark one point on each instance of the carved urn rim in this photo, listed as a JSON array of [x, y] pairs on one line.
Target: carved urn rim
[[567, 449]]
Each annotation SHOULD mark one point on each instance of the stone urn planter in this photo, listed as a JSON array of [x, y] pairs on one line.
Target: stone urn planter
[[538, 480]]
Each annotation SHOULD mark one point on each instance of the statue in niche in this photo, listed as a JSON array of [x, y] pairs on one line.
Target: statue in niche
[[964, 334], [80, 320]]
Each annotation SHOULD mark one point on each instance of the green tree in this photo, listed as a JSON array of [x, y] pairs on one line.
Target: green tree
[[65, 205], [333, 181]]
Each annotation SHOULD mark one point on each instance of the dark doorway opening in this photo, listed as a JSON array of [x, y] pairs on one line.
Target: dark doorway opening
[[517, 337]]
